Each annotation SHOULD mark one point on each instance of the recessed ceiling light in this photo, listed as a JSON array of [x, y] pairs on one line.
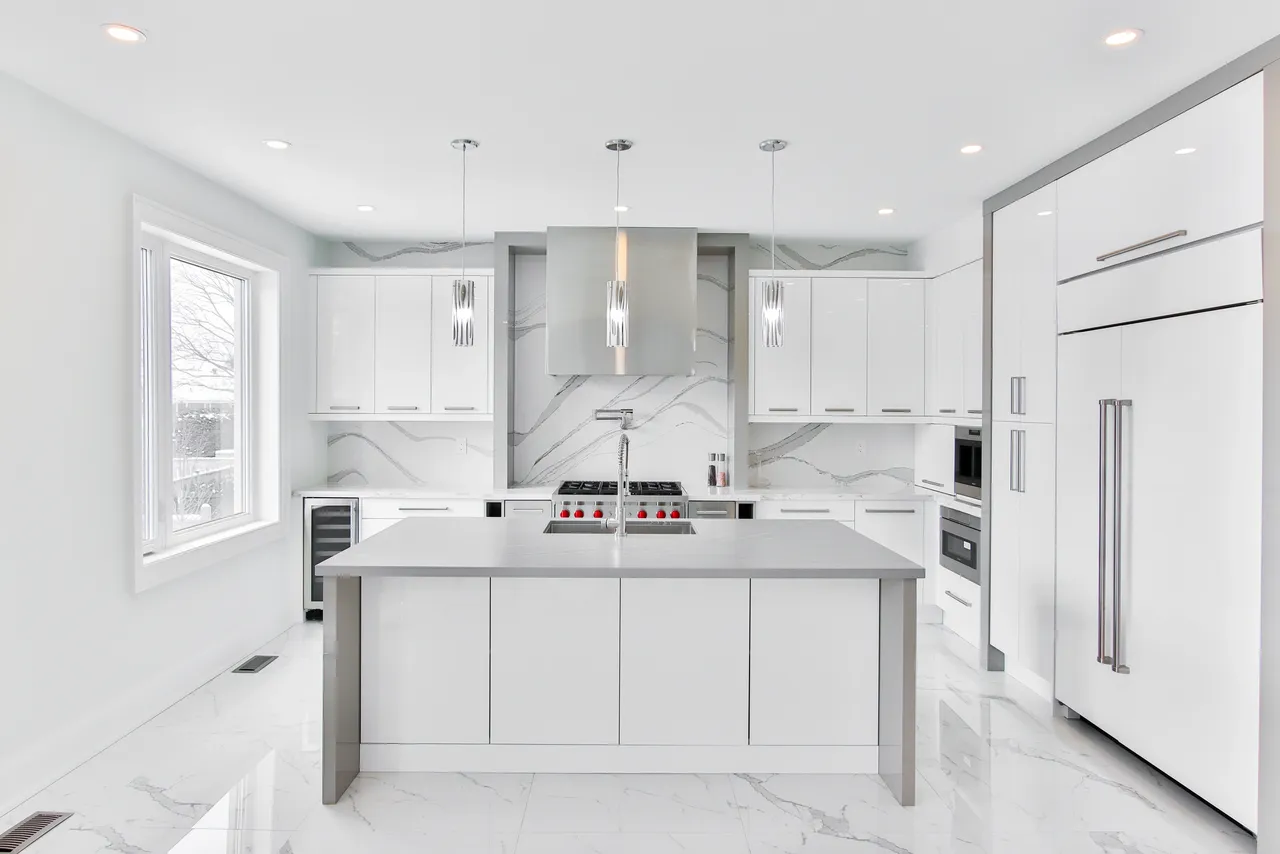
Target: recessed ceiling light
[[365, 208], [1120, 38], [885, 211], [1045, 213], [277, 144], [125, 33], [971, 149], [1185, 151], [621, 208]]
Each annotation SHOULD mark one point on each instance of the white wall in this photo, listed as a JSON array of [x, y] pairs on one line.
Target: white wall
[[950, 247], [85, 659]]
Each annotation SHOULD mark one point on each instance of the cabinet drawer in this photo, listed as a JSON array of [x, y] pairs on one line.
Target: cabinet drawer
[[960, 601], [1144, 197], [713, 509], [840, 511], [404, 508], [896, 525], [527, 509]]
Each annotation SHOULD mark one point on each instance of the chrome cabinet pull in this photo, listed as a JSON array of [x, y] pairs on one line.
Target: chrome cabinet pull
[[1013, 395], [402, 409], [345, 408], [526, 509], [712, 512], [895, 410], [840, 409], [1103, 405], [931, 482], [974, 411], [459, 409], [869, 510], [423, 509], [783, 409], [1022, 460], [1117, 546], [1022, 395], [946, 411], [1013, 461], [802, 510], [1182, 232], [964, 602]]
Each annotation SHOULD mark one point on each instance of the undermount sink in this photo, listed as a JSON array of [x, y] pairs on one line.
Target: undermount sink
[[677, 527]]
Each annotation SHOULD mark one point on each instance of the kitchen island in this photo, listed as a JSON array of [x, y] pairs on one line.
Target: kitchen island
[[719, 646]]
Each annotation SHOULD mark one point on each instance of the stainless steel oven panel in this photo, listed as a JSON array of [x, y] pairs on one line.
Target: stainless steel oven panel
[[966, 531], [968, 462]]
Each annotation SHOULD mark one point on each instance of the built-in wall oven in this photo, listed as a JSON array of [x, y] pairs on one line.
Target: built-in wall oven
[[958, 543], [968, 470], [332, 525]]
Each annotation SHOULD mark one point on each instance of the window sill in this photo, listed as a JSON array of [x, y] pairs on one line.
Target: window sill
[[156, 569]]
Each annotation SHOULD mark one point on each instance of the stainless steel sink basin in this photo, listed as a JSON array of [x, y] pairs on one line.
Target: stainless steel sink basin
[[637, 528]]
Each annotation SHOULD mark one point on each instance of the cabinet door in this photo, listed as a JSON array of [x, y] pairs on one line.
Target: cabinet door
[[459, 375], [1089, 365], [554, 661], [402, 373], [1004, 521], [782, 374], [970, 309], [425, 661], [1190, 564], [935, 457], [685, 651], [944, 345], [1036, 541], [369, 527], [345, 325], [896, 525], [895, 355], [839, 352], [802, 632]]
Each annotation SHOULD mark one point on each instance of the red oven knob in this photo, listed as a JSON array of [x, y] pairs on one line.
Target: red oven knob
[[578, 514], [675, 514], [564, 514], [642, 515], [662, 514], [599, 514]]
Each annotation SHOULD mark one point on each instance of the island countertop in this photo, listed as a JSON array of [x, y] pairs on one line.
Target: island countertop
[[721, 548]]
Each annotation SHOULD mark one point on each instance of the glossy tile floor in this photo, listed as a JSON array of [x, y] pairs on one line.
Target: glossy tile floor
[[233, 769]]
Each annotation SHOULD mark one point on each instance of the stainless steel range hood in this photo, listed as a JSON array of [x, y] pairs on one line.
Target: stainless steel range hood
[[660, 266]]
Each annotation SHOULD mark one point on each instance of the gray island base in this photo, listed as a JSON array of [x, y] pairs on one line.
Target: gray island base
[[489, 645]]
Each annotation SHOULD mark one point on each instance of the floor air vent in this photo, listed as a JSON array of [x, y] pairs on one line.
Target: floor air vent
[[31, 828], [251, 665]]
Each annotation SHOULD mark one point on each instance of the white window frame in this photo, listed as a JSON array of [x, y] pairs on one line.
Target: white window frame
[[159, 235]]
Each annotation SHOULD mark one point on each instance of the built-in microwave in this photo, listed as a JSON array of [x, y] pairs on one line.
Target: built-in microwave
[[959, 535], [968, 462]]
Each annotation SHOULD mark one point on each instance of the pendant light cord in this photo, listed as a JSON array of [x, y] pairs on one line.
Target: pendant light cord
[[617, 215], [464, 213], [773, 213]]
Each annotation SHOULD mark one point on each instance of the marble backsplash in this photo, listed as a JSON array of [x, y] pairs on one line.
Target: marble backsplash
[[411, 453], [862, 457], [678, 420]]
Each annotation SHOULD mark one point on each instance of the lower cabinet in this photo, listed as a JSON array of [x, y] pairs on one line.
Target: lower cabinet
[[684, 661], [814, 675], [959, 599], [425, 661], [896, 525], [554, 661]]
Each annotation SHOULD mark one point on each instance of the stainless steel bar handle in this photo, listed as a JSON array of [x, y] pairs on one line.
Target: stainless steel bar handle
[[946, 411], [974, 411], [964, 602], [423, 509], [783, 409], [1117, 542], [907, 510], [840, 409], [1022, 395], [1013, 395], [402, 408], [459, 409], [895, 410], [802, 510], [528, 509], [1022, 460], [1103, 405], [1182, 232], [1013, 461], [345, 408], [711, 512], [931, 482]]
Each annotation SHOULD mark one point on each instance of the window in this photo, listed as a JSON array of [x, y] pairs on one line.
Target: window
[[196, 464]]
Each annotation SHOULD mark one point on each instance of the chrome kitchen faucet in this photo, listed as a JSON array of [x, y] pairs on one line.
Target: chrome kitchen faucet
[[623, 417]]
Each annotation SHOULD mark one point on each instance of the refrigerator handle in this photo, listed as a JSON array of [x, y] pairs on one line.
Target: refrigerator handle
[[1022, 460], [1117, 533], [1013, 461], [1103, 405]]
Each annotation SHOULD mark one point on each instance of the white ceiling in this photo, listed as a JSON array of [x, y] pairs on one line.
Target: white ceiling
[[876, 98]]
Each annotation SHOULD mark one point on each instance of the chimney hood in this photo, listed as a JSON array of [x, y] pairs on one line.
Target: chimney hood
[[660, 266]]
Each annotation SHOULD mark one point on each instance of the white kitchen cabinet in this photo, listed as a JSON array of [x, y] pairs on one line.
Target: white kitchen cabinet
[[1023, 309], [554, 661], [896, 525], [459, 375], [781, 375], [895, 348], [1005, 557], [960, 601], [778, 508], [369, 527], [345, 334], [1145, 197], [424, 661], [402, 371], [945, 327], [1189, 547], [970, 287], [839, 351], [802, 632], [936, 457], [685, 650]]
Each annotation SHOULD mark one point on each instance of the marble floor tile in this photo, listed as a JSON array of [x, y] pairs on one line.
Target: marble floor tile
[[623, 803], [632, 843], [231, 841], [429, 803]]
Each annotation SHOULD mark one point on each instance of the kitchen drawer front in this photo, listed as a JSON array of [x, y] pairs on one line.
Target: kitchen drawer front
[[527, 509], [1139, 198], [840, 511], [960, 601], [713, 509], [405, 508]]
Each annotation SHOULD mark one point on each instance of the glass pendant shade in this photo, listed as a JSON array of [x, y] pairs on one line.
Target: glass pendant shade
[[771, 312], [616, 315], [464, 304]]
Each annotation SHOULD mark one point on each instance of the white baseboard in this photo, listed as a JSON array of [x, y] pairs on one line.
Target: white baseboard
[[1032, 680], [618, 759]]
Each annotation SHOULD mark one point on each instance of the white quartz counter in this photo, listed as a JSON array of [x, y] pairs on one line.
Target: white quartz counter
[[526, 493], [543, 493], [518, 548]]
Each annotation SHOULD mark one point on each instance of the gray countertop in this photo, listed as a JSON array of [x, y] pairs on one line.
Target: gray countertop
[[518, 548]]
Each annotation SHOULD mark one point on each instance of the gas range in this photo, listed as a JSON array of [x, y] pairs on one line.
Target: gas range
[[596, 499]]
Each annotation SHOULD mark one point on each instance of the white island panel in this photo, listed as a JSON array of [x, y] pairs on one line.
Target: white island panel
[[814, 677], [554, 661], [685, 652]]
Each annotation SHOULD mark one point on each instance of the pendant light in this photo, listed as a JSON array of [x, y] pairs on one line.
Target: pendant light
[[771, 288], [617, 312], [464, 289]]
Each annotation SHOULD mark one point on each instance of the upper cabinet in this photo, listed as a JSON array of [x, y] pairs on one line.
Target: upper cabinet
[[953, 343], [384, 349], [839, 372], [780, 385], [1024, 336], [1195, 176], [895, 347]]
